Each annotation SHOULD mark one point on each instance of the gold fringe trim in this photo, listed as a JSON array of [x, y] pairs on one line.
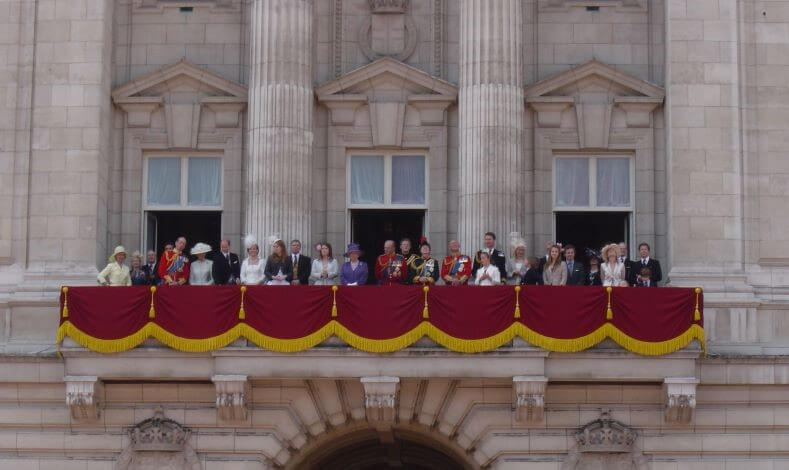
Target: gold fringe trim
[[696, 312], [425, 312], [333, 328], [609, 314], [65, 301], [517, 302]]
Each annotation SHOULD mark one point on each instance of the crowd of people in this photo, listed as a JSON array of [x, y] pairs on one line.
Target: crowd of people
[[488, 267]]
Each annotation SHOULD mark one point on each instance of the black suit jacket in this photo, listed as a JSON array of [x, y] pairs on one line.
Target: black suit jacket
[[533, 277], [497, 259], [304, 268], [223, 269], [152, 272], [654, 268], [576, 277]]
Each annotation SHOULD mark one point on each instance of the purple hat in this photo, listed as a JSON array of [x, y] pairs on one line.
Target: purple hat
[[352, 248]]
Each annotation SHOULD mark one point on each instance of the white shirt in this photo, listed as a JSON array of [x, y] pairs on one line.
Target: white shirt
[[612, 277], [332, 271], [492, 271], [200, 273], [252, 273]]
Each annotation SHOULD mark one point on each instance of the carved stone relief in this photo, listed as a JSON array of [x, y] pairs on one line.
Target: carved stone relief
[[389, 31], [605, 444], [158, 443], [380, 400]]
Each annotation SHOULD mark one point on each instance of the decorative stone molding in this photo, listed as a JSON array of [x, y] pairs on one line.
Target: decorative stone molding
[[620, 5], [158, 442], [380, 399], [680, 396], [549, 109], [337, 44], [158, 6], [388, 31], [529, 397], [232, 395], [605, 435], [82, 397]]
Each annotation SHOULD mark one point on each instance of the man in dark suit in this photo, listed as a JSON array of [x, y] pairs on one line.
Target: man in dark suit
[[576, 274], [302, 264], [656, 275], [226, 268], [497, 258], [151, 268]]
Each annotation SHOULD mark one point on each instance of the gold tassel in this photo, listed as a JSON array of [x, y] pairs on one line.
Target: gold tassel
[[517, 302], [334, 301], [242, 314], [425, 313], [65, 302], [609, 314], [697, 312], [151, 311]]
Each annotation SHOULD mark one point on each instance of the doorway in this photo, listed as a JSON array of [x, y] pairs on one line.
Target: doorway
[[370, 228], [163, 227], [592, 230]]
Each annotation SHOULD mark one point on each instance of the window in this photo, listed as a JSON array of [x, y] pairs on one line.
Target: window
[[387, 181], [593, 183], [183, 183]]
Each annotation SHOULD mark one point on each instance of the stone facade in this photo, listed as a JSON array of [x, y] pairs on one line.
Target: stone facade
[[490, 92]]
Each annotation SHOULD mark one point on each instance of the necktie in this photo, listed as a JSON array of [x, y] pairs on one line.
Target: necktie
[[643, 261]]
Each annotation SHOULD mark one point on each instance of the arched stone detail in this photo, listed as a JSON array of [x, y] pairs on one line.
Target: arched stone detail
[[158, 443]]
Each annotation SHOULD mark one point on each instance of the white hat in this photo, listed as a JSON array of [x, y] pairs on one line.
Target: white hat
[[250, 240], [118, 250], [201, 248]]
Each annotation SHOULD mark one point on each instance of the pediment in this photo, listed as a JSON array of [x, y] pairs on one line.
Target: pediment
[[594, 77], [181, 77], [387, 76]]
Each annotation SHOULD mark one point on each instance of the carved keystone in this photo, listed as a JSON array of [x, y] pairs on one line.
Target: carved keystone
[[232, 395], [82, 396], [529, 397], [680, 395], [380, 399]]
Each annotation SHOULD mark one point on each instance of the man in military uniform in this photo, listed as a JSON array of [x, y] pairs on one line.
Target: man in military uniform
[[424, 269], [497, 258], [390, 268], [456, 268], [409, 256]]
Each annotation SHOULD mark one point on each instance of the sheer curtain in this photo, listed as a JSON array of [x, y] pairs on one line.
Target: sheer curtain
[[205, 182], [572, 182], [164, 181], [408, 180], [613, 182], [367, 180]]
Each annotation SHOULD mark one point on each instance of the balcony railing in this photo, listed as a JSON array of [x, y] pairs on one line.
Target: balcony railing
[[382, 319]]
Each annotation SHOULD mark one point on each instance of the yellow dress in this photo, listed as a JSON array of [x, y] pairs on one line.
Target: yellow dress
[[115, 275]]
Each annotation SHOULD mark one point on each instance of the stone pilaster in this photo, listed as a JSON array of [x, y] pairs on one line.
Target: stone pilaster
[[491, 120], [279, 171]]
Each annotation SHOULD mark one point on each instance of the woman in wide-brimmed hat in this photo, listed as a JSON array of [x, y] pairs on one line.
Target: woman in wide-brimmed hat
[[200, 271], [353, 272], [116, 273], [613, 271]]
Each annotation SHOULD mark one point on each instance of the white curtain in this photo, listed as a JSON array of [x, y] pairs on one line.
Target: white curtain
[[408, 180], [572, 182], [613, 182], [205, 182], [367, 180], [164, 181]]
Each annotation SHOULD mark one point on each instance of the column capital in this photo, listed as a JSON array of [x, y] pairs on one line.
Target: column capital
[[82, 396], [232, 397], [529, 397], [680, 399]]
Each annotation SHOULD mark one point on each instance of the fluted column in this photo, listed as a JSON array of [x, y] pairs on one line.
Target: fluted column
[[491, 120], [279, 168]]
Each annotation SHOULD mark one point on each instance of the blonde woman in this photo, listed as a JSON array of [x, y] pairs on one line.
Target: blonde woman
[[251, 272], [555, 271], [139, 277], [612, 270], [517, 264], [116, 273]]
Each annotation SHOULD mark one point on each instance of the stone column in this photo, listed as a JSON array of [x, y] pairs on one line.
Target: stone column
[[279, 172], [491, 121]]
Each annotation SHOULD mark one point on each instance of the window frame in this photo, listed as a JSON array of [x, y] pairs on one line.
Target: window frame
[[387, 156], [593, 207], [184, 190]]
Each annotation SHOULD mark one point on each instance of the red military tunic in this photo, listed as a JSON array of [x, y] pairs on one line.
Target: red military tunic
[[173, 267], [391, 269], [457, 266]]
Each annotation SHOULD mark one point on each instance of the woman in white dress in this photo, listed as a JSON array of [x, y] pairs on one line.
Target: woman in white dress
[[517, 264], [252, 267], [612, 271], [200, 269], [324, 270], [487, 274]]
